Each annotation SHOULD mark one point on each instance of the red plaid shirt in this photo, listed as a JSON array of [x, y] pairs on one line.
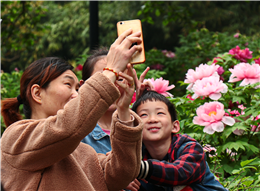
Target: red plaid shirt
[[188, 168]]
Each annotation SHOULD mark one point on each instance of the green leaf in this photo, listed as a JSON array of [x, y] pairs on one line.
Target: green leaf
[[239, 99], [236, 171], [248, 182], [228, 168], [244, 163]]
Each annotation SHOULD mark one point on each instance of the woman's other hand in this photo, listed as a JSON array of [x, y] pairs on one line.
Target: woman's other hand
[[127, 88]]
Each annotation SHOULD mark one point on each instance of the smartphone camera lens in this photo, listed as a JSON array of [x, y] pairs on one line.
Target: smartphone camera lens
[[121, 23]]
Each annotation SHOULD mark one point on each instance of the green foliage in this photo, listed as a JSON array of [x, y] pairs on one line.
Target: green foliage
[[216, 16], [20, 33], [242, 178], [33, 30], [68, 34]]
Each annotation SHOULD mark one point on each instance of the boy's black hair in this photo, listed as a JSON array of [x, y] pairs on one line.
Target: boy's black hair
[[149, 95]]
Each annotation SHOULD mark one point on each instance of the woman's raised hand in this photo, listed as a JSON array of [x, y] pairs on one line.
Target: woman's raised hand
[[121, 50], [127, 88]]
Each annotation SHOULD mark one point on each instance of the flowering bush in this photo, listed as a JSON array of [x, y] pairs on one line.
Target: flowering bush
[[231, 124]]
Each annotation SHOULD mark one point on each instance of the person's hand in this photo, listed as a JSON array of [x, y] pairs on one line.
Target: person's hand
[[134, 185], [126, 87], [121, 50], [140, 84]]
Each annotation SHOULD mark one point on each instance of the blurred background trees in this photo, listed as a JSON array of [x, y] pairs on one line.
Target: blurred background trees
[[34, 29]]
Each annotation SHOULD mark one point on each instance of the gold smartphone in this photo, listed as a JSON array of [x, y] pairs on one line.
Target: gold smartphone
[[135, 25]]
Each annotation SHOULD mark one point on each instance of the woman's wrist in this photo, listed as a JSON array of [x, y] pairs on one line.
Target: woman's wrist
[[112, 70], [124, 114], [129, 122], [110, 75]]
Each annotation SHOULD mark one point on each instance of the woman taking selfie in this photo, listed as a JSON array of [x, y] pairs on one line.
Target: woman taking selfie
[[44, 152]]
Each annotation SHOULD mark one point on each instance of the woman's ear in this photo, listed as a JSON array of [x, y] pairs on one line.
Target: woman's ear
[[176, 126], [81, 82], [36, 93]]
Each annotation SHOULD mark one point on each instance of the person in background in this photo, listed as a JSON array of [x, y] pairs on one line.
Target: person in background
[[44, 151], [171, 161], [99, 138]]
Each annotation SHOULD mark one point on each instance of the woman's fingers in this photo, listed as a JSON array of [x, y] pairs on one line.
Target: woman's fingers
[[121, 50], [123, 36], [128, 75]]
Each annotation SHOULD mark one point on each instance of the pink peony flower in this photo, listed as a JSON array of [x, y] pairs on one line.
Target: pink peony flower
[[209, 149], [157, 67], [236, 35], [232, 113], [250, 74], [133, 98], [256, 128], [215, 60], [211, 115], [220, 70], [257, 61], [189, 97], [241, 55], [161, 86], [200, 72], [168, 54], [242, 107], [79, 67], [209, 86], [232, 154]]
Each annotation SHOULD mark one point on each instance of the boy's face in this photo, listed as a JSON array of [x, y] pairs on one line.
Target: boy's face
[[158, 125]]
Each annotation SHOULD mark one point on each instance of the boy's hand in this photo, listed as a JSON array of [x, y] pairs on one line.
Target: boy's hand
[[134, 185], [140, 84]]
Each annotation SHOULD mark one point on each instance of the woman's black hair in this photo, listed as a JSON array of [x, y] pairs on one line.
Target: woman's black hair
[[89, 64], [149, 95]]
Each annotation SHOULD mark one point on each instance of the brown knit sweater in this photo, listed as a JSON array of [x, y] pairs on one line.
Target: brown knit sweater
[[47, 154]]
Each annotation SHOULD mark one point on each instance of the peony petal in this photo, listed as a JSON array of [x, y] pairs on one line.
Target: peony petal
[[238, 132], [208, 130], [199, 121], [218, 126], [244, 82], [194, 96], [170, 87], [228, 120], [215, 96], [190, 86]]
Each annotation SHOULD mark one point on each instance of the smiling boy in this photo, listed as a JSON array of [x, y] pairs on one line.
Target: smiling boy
[[171, 161]]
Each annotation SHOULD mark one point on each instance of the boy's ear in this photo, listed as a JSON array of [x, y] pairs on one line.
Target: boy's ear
[[36, 93], [81, 82], [176, 126]]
